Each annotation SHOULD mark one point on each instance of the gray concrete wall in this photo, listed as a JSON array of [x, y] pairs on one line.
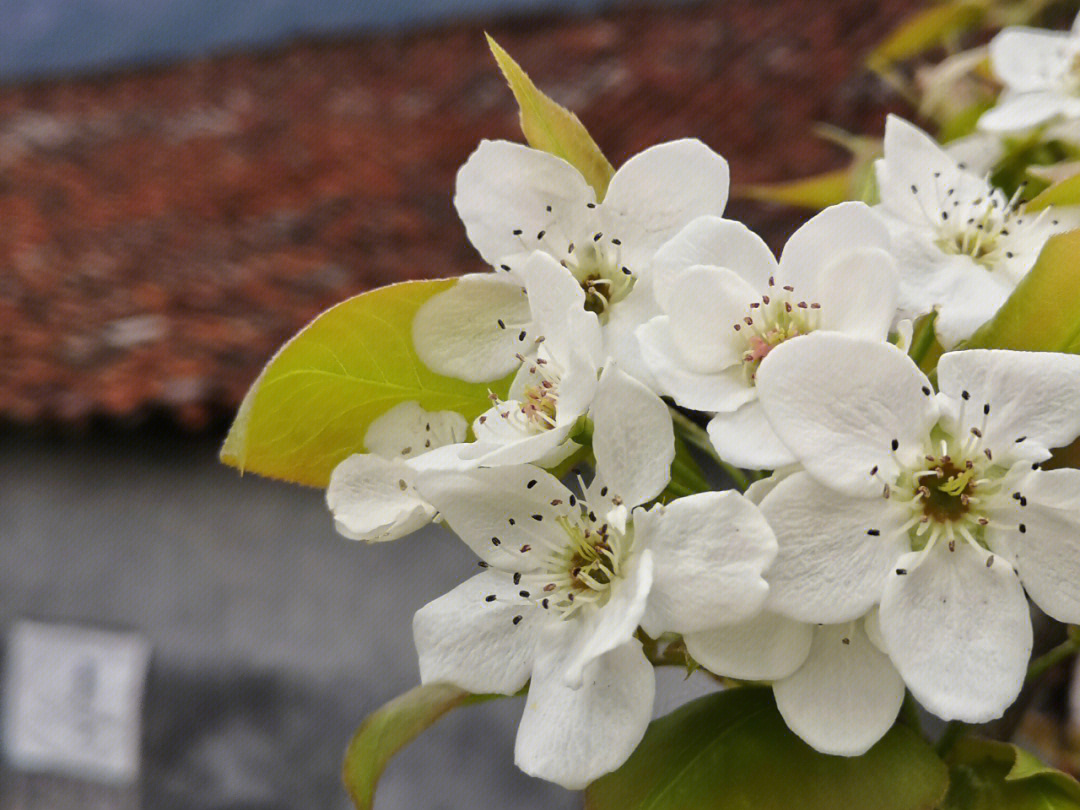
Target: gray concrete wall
[[273, 637]]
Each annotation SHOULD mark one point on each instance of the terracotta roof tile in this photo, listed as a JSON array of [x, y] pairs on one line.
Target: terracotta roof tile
[[166, 230]]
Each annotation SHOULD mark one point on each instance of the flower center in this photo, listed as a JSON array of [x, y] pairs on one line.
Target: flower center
[[778, 317], [579, 573], [950, 491], [537, 406], [597, 268]]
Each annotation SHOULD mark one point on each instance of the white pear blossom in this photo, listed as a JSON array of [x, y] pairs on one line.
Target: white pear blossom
[[567, 581], [1040, 71], [727, 303], [961, 244], [372, 495], [931, 505], [515, 200]]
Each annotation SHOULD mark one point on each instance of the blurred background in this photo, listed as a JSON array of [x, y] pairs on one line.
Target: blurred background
[[184, 184]]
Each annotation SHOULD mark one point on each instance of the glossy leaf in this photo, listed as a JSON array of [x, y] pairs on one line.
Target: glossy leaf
[[989, 775], [551, 127], [924, 30], [732, 751], [390, 729], [1043, 312], [310, 407]]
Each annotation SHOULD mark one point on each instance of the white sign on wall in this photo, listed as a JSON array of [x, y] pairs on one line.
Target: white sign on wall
[[72, 700]]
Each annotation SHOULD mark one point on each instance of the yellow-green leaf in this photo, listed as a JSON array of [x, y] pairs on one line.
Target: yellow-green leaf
[[732, 751], [924, 30], [1067, 192], [551, 127], [311, 406], [990, 775], [1043, 312], [390, 729], [816, 192]]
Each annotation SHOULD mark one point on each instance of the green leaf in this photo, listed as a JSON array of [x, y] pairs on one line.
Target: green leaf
[[1067, 192], [550, 127], [732, 751], [990, 775], [310, 407], [815, 192], [924, 30], [1043, 312], [390, 729]]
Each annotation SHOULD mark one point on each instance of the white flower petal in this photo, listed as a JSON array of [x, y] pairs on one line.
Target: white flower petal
[[914, 172], [557, 303], [845, 697], [966, 295], [1047, 552], [721, 391], [633, 437], [716, 242], [1015, 113], [839, 404], [456, 333], [1034, 395], [573, 736], [710, 550], [823, 239], [746, 439], [374, 499], [660, 190], [958, 631], [500, 510], [858, 294], [499, 444], [407, 430], [505, 187], [613, 624], [765, 648], [1027, 59], [474, 644], [829, 568], [620, 332], [705, 305]]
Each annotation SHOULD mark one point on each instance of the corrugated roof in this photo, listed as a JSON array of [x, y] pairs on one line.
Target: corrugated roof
[[164, 231]]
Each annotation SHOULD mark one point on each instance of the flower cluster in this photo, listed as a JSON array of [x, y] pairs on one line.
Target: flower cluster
[[897, 526]]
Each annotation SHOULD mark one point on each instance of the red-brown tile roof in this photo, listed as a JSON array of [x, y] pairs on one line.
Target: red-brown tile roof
[[163, 231]]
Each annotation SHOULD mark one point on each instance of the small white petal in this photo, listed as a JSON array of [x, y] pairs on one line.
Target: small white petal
[[1032, 395], [839, 404], [746, 439], [505, 187], [721, 391], [913, 160], [858, 294], [1047, 552], [573, 736], [598, 632], [704, 306], [966, 295], [765, 648], [474, 644], [1027, 59], [620, 332], [1016, 113], [845, 697], [407, 430], [633, 437], [374, 499], [715, 242], [500, 510], [659, 191], [825, 238], [456, 333], [958, 631], [557, 304], [830, 568], [710, 551]]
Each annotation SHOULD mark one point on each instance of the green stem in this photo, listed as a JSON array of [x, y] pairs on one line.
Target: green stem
[[1062, 652], [953, 732], [685, 473], [923, 338], [696, 436]]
